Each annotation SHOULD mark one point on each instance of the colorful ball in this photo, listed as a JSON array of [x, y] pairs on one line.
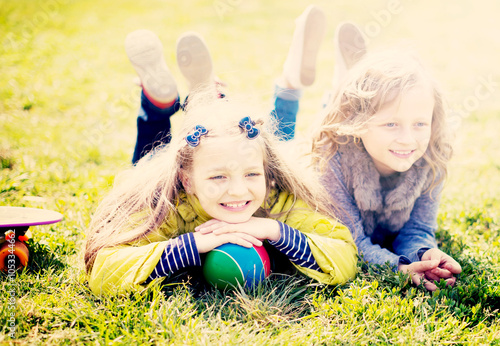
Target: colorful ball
[[230, 265]]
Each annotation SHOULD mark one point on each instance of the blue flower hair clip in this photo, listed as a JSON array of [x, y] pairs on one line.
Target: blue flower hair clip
[[249, 126], [194, 138]]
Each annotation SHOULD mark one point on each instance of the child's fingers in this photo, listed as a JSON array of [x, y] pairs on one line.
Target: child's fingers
[[451, 281], [429, 275], [427, 272], [240, 241], [432, 279], [227, 228], [423, 266], [453, 266], [209, 226], [252, 239], [203, 230], [420, 279], [446, 261], [442, 273], [430, 286], [243, 239]]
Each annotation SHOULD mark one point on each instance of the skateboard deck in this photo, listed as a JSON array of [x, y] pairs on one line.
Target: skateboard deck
[[14, 224], [24, 217]]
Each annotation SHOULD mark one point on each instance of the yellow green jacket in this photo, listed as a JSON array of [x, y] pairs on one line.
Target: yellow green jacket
[[126, 267]]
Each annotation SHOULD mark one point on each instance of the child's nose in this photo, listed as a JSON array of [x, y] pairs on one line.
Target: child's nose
[[237, 187], [406, 136]]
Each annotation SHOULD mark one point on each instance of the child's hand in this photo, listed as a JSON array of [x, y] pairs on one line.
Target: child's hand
[[447, 268], [208, 242], [417, 272], [260, 228]]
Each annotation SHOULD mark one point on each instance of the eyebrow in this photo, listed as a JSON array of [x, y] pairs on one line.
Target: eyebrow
[[223, 168]]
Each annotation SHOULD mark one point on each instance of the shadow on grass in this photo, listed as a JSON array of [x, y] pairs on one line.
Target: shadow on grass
[[43, 258]]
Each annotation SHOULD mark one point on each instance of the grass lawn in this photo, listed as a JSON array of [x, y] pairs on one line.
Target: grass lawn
[[67, 127]]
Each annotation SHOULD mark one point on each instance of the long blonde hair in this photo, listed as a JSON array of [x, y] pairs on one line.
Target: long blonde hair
[[145, 196], [374, 81]]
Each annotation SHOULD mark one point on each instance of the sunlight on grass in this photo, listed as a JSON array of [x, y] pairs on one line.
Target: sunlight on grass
[[67, 115]]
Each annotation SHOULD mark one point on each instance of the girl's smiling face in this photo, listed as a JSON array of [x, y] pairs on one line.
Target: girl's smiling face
[[399, 133], [228, 178]]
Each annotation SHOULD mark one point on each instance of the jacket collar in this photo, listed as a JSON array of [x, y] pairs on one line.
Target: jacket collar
[[189, 208]]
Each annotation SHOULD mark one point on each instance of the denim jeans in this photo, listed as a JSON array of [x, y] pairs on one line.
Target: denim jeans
[[286, 107], [153, 123], [153, 126]]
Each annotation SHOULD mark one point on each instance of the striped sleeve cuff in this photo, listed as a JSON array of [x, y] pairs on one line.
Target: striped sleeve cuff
[[180, 252], [294, 245]]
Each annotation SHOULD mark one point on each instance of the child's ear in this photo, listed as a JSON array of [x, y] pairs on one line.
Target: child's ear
[[186, 182]]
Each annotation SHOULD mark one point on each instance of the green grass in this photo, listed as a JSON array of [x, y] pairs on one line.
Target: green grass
[[67, 116]]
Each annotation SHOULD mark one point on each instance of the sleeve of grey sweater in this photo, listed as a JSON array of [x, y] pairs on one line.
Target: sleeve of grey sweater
[[407, 244], [418, 232]]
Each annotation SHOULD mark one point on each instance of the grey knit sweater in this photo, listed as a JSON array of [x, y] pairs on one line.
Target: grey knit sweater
[[391, 218]]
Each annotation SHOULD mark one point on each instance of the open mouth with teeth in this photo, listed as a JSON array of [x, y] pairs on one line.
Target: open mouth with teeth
[[235, 205], [402, 153]]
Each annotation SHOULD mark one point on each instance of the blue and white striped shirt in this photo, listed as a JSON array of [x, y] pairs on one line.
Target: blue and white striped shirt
[[181, 252], [294, 245]]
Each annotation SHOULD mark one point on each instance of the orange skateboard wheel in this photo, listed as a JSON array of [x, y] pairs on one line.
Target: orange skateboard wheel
[[20, 252]]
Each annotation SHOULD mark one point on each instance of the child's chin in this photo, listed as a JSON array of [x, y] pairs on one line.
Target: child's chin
[[403, 168], [237, 218]]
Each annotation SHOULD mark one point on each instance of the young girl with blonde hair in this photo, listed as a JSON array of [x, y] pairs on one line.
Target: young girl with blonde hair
[[220, 179], [383, 147]]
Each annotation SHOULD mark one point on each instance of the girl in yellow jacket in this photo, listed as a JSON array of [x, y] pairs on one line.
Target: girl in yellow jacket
[[221, 179]]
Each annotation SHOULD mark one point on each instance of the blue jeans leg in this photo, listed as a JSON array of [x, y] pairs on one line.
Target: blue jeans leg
[[286, 107], [153, 126]]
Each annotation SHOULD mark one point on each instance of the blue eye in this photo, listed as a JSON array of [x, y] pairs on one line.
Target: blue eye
[[217, 177], [390, 125], [421, 124], [253, 174]]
